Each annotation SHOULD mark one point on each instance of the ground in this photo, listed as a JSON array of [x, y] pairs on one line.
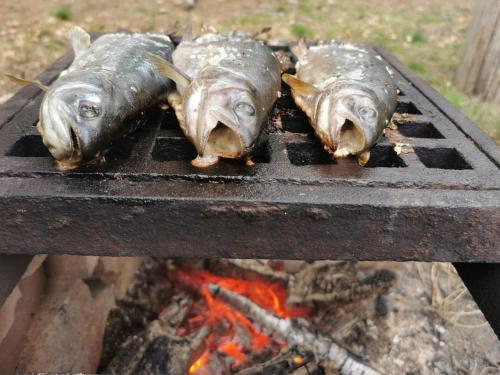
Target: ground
[[427, 35]]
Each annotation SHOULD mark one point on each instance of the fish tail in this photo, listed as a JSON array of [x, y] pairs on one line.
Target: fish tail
[[25, 82]]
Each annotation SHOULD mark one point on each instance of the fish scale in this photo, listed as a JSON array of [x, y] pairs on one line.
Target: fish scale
[[226, 86], [348, 93], [86, 108]]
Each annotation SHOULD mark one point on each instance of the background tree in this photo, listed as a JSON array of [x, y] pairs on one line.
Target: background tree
[[479, 70]]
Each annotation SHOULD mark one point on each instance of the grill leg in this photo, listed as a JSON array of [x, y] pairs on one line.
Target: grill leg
[[12, 267], [483, 282]]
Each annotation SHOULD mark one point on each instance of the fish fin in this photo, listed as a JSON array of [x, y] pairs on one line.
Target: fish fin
[[176, 102], [166, 69], [284, 60], [80, 40], [204, 161], [188, 35], [300, 50], [304, 94], [24, 82], [363, 158], [264, 30], [300, 88]]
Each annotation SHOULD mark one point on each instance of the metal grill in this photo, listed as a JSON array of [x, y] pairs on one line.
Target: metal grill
[[438, 200]]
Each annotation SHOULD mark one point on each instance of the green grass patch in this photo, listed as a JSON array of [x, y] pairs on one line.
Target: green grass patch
[[64, 13], [417, 36], [301, 31], [417, 67], [281, 8], [143, 11], [382, 40], [435, 17], [259, 19], [306, 6]]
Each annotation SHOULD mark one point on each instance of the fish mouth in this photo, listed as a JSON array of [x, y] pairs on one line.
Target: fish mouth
[[60, 138], [224, 141], [349, 138], [219, 139], [74, 159]]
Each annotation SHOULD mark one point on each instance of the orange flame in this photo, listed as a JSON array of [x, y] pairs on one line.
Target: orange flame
[[199, 362], [224, 320]]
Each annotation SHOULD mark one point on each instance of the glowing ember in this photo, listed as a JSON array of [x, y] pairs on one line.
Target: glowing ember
[[199, 362], [232, 334], [298, 360]]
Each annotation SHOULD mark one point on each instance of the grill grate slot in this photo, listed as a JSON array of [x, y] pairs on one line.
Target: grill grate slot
[[407, 108], [415, 129], [384, 156], [308, 153], [441, 158], [173, 149], [29, 146]]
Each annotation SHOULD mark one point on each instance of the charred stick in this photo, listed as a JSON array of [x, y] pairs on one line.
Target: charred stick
[[157, 350], [284, 363], [323, 346]]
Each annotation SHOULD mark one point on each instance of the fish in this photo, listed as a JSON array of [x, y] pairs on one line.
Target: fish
[[110, 80], [225, 87], [348, 93]]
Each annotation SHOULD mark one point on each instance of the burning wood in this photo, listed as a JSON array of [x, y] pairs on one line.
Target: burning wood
[[285, 363], [157, 350], [234, 341], [261, 267], [295, 333]]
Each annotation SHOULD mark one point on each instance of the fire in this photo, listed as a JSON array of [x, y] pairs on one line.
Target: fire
[[225, 321], [199, 362]]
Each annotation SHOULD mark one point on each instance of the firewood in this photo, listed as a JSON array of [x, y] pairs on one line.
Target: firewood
[[336, 281], [249, 269], [157, 350], [284, 363], [296, 333], [147, 295]]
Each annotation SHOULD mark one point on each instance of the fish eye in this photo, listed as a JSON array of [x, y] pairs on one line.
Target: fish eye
[[88, 110], [367, 113], [243, 108]]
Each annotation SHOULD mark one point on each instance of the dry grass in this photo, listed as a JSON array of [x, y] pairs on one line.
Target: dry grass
[[449, 297]]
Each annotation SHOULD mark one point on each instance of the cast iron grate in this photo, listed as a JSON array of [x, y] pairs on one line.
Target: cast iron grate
[[444, 179]]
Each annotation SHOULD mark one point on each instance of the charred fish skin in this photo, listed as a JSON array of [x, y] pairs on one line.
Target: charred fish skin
[[348, 93], [84, 110], [226, 86]]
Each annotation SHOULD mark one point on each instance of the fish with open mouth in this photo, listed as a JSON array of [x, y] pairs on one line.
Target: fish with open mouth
[[348, 93], [85, 109], [226, 86]]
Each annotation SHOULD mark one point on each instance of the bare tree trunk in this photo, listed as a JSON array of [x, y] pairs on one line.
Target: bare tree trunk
[[479, 70]]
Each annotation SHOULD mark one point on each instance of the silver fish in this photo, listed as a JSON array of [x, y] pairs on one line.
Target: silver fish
[[226, 85], [348, 93], [84, 110]]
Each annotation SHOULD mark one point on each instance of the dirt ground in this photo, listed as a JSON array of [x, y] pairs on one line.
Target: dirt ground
[[427, 35]]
